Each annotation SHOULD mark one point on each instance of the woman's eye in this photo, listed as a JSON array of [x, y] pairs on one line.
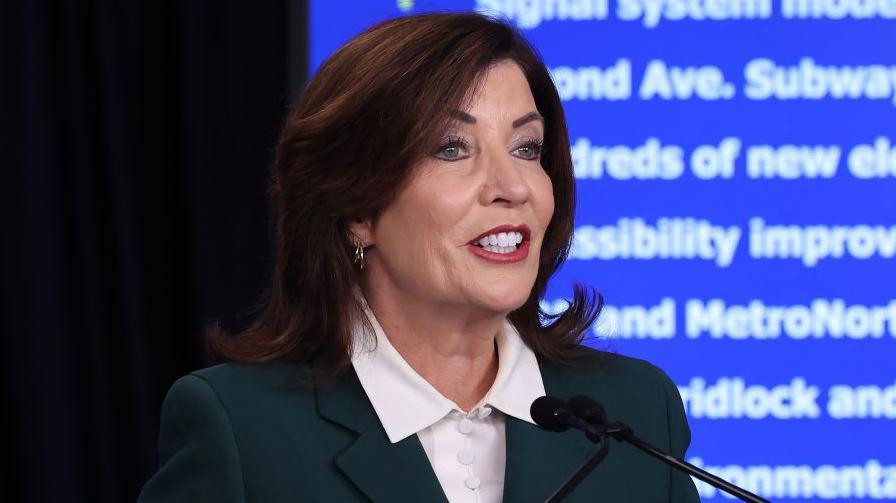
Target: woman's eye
[[531, 149], [451, 150]]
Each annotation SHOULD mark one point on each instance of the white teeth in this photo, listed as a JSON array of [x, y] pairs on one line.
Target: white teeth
[[502, 242], [500, 249]]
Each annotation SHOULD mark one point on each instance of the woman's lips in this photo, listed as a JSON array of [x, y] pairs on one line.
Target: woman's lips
[[520, 254]]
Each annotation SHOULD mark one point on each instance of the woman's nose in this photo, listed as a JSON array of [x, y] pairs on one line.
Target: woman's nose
[[504, 180]]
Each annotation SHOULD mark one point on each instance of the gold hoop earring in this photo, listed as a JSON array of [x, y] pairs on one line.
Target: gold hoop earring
[[359, 256]]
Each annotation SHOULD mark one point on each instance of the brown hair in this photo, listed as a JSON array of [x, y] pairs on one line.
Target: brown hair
[[372, 110]]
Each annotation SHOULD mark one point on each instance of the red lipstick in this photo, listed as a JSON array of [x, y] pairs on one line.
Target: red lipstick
[[521, 252]]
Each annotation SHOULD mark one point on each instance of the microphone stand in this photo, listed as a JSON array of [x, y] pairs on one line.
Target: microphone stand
[[596, 435], [622, 432], [576, 478]]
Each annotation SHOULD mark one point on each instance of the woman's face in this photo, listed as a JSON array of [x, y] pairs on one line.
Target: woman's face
[[468, 227]]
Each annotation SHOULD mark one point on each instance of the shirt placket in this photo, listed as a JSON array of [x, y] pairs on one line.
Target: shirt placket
[[466, 456]]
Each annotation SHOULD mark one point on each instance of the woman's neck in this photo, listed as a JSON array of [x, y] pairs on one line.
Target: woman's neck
[[451, 347]]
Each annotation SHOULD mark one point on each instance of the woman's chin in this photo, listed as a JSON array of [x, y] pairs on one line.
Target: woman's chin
[[505, 300]]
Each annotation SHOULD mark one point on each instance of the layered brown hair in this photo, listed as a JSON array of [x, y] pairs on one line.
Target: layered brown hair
[[374, 109]]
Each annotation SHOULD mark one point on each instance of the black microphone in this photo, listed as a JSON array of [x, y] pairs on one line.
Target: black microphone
[[549, 413], [592, 412], [588, 409], [553, 414]]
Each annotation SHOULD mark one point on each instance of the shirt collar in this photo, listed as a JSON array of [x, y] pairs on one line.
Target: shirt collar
[[405, 403]]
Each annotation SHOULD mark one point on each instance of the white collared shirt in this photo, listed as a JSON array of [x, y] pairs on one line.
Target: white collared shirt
[[466, 449]]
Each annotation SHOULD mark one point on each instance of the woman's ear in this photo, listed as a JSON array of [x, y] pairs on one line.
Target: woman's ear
[[360, 230]]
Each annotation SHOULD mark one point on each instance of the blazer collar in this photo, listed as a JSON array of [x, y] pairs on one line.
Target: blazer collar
[[383, 471], [538, 461]]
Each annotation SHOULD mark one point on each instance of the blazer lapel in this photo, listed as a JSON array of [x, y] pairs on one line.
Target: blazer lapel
[[381, 470], [540, 461]]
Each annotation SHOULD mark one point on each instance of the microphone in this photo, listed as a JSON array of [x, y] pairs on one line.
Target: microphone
[[549, 413], [553, 413], [588, 409]]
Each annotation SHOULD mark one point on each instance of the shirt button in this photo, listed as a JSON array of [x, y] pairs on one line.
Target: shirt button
[[484, 412], [466, 457], [472, 482], [465, 426]]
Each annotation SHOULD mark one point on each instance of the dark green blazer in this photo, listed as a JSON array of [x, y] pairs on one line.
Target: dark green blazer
[[261, 433]]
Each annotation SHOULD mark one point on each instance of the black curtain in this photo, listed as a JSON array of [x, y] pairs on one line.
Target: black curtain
[[137, 143]]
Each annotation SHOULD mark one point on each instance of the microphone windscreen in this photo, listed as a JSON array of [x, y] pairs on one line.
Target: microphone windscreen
[[588, 409], [544, 412]]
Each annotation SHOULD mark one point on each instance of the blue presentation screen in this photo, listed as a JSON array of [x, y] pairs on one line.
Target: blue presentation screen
[[736, 170]]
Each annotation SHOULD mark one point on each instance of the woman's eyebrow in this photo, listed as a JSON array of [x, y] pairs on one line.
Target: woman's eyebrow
[[463, 116], [469, 119], [529, 117]]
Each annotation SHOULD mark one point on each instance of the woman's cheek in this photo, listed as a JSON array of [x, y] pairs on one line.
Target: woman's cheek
[[543, 200]]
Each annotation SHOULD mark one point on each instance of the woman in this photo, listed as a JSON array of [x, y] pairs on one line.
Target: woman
[[423, 195]]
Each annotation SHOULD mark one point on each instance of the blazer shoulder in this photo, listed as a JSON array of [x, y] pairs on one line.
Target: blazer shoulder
[[196, 443], [250, 388], [238, 377], [602, 369], [632, 390]]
